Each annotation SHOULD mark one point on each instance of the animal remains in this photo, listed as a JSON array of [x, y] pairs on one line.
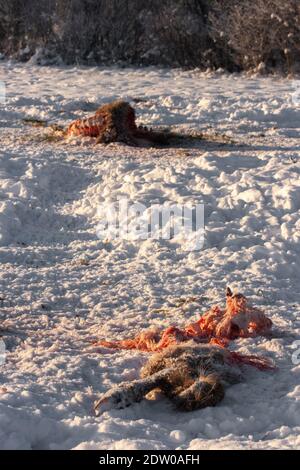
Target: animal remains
[[115, 122], [239, 319], [192, 366], [192, 376]]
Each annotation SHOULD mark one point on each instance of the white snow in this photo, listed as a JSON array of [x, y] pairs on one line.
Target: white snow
[[62, 287]]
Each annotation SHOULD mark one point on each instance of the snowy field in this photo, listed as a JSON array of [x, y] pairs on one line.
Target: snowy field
[[61, 287]]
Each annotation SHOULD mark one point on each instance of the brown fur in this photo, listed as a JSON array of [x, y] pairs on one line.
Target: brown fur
[[191, 376]]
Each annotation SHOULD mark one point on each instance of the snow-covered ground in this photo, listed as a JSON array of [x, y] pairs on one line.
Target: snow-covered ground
[[61, 287]]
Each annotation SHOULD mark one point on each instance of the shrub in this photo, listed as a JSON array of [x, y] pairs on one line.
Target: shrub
[[233, 34], [261, 34]]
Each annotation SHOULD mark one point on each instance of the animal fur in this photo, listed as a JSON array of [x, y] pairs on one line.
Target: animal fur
[[191, 376], [115, 122]]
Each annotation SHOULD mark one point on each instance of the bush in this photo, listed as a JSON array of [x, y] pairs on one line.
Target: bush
[[261, 34], [24, 26], [232, 34]]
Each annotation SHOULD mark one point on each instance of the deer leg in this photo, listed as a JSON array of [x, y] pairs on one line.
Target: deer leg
[[127, 393]]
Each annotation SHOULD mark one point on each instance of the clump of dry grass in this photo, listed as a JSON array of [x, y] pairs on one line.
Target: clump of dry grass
[[53, 132], [175, 138], [34, 122]]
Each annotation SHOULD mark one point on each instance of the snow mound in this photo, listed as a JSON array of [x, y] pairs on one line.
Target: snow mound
[[62, 287]]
